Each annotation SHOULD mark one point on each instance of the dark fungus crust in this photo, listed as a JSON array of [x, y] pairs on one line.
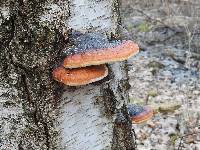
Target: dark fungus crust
[[90, 42]]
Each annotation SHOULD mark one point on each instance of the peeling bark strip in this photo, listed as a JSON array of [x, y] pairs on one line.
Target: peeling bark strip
[[34, 117]]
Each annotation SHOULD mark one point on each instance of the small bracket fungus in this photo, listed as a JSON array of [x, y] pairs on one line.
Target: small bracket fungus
[[139, 114], [95, 49], [80, 76]]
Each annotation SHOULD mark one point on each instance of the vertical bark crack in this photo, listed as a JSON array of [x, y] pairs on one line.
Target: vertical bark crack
[[35, 113], [47, 135]]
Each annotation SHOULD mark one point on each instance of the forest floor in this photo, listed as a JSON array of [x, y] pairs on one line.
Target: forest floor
[[165, 74]]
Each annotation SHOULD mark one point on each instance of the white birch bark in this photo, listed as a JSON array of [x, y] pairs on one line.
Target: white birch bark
[[83, 123]]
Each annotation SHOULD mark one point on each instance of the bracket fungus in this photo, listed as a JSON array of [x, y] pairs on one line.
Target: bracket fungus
[[94, 49], [139, 114], [84, 62], [80, 76]]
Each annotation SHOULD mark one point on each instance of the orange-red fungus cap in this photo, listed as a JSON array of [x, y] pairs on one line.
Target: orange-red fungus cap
[[80, 76], [119, 52], [144, 116]]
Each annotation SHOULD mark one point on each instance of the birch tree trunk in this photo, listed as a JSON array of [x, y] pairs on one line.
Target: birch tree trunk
[[36, 112]]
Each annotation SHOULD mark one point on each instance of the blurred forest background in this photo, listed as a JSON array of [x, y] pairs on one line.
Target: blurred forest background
[[166, 72]]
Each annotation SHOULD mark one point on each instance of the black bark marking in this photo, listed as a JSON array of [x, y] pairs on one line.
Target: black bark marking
[[122, 135], [109, 100]]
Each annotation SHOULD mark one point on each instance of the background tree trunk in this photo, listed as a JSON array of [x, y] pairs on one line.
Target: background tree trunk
[[37, 112]]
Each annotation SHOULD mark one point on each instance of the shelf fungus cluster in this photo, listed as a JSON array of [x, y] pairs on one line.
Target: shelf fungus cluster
[[84, 62]]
